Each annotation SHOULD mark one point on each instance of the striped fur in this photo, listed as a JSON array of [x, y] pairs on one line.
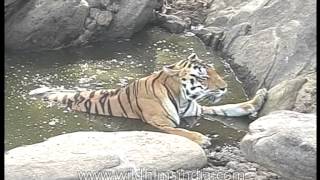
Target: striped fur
[[159, 99]]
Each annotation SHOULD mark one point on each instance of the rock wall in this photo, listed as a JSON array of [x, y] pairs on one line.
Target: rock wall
[[38, 24], [267, 43], [271, 42]]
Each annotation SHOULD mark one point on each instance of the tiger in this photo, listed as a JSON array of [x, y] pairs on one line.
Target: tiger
[[162, 99]]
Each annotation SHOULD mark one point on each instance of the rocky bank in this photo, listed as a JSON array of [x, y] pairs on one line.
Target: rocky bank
[[38, 24], [269, 43], [71, 156]]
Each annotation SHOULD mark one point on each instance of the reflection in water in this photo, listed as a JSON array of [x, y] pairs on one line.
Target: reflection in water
[[104, 65]]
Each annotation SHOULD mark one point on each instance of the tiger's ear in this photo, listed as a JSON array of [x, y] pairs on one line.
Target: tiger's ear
[[170, 71], [193, 57]]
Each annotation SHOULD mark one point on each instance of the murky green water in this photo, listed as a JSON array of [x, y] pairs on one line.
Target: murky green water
[[104, 65]]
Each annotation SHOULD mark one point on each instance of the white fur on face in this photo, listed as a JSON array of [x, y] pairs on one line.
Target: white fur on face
[[192, 85]]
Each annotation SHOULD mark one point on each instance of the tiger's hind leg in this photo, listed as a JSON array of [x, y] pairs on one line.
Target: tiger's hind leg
[[250, 107]]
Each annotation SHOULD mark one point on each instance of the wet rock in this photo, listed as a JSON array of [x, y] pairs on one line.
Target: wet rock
[[98, 151], [285, 142]]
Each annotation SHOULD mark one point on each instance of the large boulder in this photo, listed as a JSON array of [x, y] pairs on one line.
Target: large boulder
[[64, 156], [298, 94], [268, 42], [37, 24], [284, 142]]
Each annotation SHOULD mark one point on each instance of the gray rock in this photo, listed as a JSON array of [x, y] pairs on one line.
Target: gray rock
[[94, 12], [131, 17], [173, 24], [268, 41], [283, 96], [45, 24], [285, 142], [231, 160], [92, 25], [211, 36], [104, 18], [194, 10], [298, 94], [306, 100], [64, 156], [38, 25], [12, 6]]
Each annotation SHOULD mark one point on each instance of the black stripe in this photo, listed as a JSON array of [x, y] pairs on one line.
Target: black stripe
[[87, 105], [153, 81], [146, 85], [69, 103], [92, 94], [182, 61], [194, 87], [81, 100], [64, 100], [128, 97], [184, 64], [186, 110], [225, 114], [124, 111], [172, 120], [156, 94], [96, 108], [109, 108], [197, 111], [115, 92], [172, 99], [135, 88], [102, 102], [76, 96]]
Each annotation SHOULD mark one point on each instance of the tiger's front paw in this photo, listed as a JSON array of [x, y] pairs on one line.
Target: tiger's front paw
[[258, 100], [203, 140]]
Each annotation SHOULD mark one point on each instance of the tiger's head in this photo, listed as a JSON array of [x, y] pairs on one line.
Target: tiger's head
[[197, 79]]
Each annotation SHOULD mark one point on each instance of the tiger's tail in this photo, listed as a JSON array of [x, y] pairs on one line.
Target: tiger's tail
[[78, 100]]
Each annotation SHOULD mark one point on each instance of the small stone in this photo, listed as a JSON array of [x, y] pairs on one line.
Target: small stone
[[104, 18], [52, 123]]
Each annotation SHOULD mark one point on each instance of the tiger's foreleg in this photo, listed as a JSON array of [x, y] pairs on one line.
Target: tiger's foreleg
[[250, 107], [166, 125], [199, 138]]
